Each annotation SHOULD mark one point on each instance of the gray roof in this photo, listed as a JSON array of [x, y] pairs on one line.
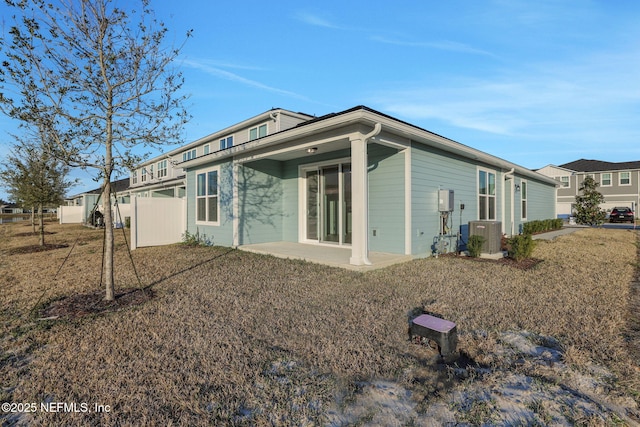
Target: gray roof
[[584, 165]]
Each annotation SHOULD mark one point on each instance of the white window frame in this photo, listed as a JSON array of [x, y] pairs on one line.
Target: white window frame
[[565, 181], [205, 149], [206, 196], [162, 168], [189, 155], [134, 177], [602, 175], [620, 178], [143, 175], [226, 142], [487, 198], [257, 129], [524, 196]]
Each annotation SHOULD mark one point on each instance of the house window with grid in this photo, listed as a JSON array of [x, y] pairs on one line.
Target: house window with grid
[[134, 177], [523, 198], [564, 181], [205, 149], [257, 132], [162, 168], [486, 195], [605, 180], [143, 175], [207, 200], [227, 142], [625, 178]]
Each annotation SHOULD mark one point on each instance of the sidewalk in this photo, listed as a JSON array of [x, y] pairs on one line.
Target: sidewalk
[[550, 235]]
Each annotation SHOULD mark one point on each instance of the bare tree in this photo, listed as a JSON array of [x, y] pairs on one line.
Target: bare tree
[[97, 81]]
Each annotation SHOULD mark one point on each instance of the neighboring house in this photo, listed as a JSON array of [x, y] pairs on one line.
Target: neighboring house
[[619, 183], [161, 177], [80, 207], [11, 208], [358, 179]]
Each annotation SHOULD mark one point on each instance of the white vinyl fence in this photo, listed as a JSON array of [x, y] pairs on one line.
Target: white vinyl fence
[[71, 214], [157, 221]]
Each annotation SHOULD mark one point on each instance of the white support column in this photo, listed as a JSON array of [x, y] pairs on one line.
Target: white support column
[[360, 202], [235, 173], [133, 222]]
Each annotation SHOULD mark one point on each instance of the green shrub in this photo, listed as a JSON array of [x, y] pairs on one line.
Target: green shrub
[[540, 226], [521, 247], [196, 239], [474, 245]]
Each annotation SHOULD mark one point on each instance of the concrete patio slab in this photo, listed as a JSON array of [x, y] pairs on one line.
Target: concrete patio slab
[[335, 256]]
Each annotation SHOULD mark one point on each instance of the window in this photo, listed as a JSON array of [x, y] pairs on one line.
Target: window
[[188, 155], [523, 198], [162, 169], [625, 178], [207, 197], [227, 142], [143, 178], [257, 132], [205, 149], [134, 177], [564, 180], [486, 195], [150, 171], [605, 180]]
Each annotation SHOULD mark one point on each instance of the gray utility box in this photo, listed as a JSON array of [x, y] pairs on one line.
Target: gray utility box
[[445, 200], [492, 233], [442, 331]]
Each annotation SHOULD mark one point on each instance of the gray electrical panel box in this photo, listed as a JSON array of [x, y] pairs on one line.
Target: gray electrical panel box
[[445, 200]]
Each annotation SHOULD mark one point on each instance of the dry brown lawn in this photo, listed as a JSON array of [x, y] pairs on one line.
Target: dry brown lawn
[[233, 338]]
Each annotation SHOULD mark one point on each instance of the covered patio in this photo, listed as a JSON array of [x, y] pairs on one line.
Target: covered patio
[[334, 256]]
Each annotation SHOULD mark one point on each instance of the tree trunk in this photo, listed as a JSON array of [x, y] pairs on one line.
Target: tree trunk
[[108, 244], [33, 219], [41, 226]]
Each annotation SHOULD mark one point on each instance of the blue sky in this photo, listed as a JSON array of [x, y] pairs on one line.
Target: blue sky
[[534, 82]]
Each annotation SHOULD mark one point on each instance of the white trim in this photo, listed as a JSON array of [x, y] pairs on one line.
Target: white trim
[[257, 128], [610, 179], [206, 197], [407, 202], [524, 199], [495, 196], [620, 184]]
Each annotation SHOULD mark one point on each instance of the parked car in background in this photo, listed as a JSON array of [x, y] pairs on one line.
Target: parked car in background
[[621, 215]]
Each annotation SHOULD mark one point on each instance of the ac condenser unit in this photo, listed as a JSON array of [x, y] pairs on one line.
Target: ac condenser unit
[[492, 233]]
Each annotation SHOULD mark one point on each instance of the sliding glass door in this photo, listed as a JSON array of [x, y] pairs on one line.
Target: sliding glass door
[[328, 203]]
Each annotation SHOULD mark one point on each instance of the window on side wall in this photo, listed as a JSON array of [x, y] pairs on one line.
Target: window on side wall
[[523, 198], [486, 195], [605, 180], [564, 180], [162, 169], [625, 178], [226, 142], [207, 200], [258, 132], [134, 177]]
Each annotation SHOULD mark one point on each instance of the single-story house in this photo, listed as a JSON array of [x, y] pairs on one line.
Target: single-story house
[[11, 208], [358, 179]]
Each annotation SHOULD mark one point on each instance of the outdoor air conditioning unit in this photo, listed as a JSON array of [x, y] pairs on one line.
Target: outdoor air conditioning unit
[[492, 233]]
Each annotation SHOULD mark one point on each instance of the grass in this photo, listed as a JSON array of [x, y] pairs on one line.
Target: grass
[[235, 338]]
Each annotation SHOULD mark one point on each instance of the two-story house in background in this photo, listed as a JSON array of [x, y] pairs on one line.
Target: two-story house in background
[[619, 183], [161, 177]]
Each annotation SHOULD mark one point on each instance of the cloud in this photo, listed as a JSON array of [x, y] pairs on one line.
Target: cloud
[[446, 45], [315, 20], [227, 75]]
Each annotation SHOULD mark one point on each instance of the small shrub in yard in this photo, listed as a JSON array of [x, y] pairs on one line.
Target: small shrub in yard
[[474, 245], [196, 239], [540, 226], [521, 247]]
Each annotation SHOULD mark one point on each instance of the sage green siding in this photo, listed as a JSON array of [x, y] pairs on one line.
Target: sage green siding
[[386, 199], [432, 170]]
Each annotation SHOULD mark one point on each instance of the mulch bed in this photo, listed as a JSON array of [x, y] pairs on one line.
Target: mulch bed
[[76, 306], [34, 248]]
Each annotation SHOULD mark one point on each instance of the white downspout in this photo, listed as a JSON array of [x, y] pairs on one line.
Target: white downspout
[[376, 131], [512, 197]]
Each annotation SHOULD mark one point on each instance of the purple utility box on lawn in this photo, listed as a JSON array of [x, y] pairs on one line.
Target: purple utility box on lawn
[[442, 331]]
